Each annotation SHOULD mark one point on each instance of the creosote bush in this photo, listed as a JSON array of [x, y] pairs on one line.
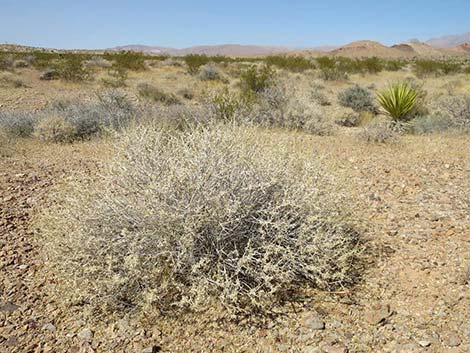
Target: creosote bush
[[188, 219], [255, 79]]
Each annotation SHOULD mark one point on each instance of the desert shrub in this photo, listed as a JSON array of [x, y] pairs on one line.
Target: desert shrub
[[112, 110], [278, 106], [178, 117], [455, 108], [117, 77], [149, 91], [200, 217], [195, 61], [127, 60], [7, 62], [398, 100], [17, 124], [394, 64], [55, 129], [20, 63], [347, 117], [71, 68], [10, 80], [295, 63], [430, 124], [256, 79], [226, 105], [467, 70], [329, 70], [42, 60], [186, 93], [357, 98], [371, 65], [319, 97], [209, 73], [379, 131], [50, 74], [427, 67]]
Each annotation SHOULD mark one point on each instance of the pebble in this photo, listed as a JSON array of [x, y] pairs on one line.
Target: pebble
[[378, 314], [424, 343], [313, 322], [85, 335], [49, 327], [452, 340], [8, 308], [336, 349]]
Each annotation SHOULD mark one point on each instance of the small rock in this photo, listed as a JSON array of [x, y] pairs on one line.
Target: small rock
[[85, 335], [8, 307], [336, 349], [452, 340], [49, 327], [311, 349], [313, 322], [378, 314], [11, 342], [152, 349], [424, 343]]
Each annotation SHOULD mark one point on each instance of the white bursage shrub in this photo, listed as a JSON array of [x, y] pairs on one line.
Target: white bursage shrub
[[216, 215], [454, 108]]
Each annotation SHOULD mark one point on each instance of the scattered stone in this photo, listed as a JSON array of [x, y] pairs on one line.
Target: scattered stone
[[424, 343], [49, 327], [152, 349], [85, 335], [11, 342], [336, 349], [8, 307], [378, 314], [452, 340], [311, 349], [313, 322]]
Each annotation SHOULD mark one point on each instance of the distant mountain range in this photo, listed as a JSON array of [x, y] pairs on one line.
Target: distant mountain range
[[450, 41], [453, 45]]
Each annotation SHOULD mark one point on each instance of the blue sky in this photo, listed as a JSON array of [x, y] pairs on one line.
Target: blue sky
[[299, 23]]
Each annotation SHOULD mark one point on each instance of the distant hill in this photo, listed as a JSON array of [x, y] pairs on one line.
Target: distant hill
[[368, 48], [225, 49], [450, 41]]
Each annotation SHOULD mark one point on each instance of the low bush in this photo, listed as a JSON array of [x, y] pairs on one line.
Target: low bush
[[329, 70], [455, 108], [7, 62], [292, 63], [379, 131], [209, 73], [256, 79], [347, 117], [186, 93], [427, 67], [195, 61], [17, 124], [357, 98], [117, 77], [191, 219], [72, 68], [127, 60], [111, 111], [430, 124], [149, 91], [55, 129], [226, 105]]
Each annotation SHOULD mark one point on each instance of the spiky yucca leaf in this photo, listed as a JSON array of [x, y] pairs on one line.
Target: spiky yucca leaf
[[398, 100]]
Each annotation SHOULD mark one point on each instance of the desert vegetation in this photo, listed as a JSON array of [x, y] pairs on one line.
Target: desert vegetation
[[255, 190]]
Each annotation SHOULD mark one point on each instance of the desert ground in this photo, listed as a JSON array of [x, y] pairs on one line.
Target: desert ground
[[406, 188]]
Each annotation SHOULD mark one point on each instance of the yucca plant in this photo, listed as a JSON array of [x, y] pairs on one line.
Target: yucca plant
[[398, 100]]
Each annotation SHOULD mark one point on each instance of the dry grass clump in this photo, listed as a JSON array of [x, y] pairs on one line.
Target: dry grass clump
[[282, 106], [379, 130], [210, 73], [222, 214], [149, 91], [346, 117], [16, 123], [55, 129]]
